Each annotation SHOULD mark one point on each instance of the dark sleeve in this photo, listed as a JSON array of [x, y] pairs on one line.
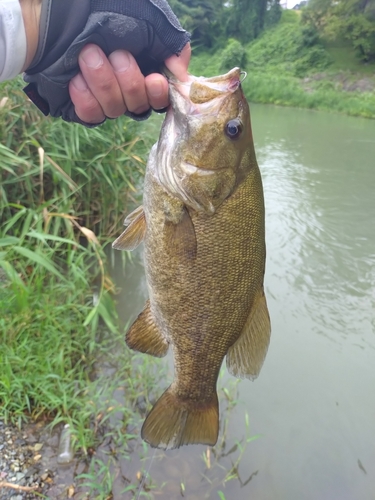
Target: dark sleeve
[[146, 28]]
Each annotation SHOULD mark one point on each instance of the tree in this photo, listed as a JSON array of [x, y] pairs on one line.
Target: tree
[[353, 20], [202, 18], [212, 22], [248, 18], [316, 13]]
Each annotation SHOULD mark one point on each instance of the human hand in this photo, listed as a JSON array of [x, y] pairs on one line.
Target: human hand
[[149, 30], [108, 87]]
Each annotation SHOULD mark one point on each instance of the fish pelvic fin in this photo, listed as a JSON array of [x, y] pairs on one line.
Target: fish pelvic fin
[[246, 356], [144, 335], [134, 233], [173, 422]]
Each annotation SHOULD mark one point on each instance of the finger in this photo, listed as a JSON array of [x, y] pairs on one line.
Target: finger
[[178, 65], [102, 81], [130, 80], [157, 91], [86, 105]]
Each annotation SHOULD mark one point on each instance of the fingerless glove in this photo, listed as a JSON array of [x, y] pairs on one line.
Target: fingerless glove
[[146, 28]]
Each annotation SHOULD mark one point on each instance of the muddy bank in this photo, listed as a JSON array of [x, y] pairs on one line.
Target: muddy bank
[[343, 81]]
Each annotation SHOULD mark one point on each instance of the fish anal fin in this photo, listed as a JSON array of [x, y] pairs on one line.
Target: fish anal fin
[[134, 233], [144, 336], [173, 422], [246, 356], [181, 237]]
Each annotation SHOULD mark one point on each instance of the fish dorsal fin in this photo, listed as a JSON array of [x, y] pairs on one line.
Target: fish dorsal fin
[[245, 357], [181, 236], [144, 335], [134, 233]]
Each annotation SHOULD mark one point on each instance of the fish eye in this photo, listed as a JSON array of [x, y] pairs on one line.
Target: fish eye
[[233, 129]]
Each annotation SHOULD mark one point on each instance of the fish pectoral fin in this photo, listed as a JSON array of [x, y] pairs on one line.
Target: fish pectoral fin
[[173, 422], [245, 357], [134, 233], [133, 215], [144, 335], [181, 237]]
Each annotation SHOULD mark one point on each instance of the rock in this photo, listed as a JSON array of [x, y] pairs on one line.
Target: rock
[[38, 446], [31, 471]]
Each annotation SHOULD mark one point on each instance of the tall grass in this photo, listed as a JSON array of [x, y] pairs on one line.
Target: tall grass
[[64, 192], [91, 171]]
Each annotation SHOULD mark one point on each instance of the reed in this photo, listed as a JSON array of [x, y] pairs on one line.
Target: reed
[[64, 192]]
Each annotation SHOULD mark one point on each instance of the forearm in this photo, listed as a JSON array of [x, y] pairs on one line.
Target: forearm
[[19, 32], [31, 10]]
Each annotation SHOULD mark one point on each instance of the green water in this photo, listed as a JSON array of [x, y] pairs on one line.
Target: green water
[[314, 402]]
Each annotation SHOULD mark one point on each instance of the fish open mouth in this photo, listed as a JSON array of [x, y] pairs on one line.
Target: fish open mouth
[[200, 94], [194, 127]]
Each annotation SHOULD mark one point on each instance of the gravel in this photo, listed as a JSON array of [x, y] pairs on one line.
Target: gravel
[[28, 461]]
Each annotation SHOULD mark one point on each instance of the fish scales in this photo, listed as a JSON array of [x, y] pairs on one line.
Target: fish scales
[[204, 261], [206, 295]]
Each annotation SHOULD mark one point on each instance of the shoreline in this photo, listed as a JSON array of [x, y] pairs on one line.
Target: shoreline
[[352, 94]]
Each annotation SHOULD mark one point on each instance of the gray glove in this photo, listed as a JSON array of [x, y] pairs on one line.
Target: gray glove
[[146, 28]]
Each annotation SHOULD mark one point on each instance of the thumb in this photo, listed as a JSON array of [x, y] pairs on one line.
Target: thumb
[[178, 65]]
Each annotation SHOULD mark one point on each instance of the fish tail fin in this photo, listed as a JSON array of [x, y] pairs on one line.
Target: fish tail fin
[[173, 422]]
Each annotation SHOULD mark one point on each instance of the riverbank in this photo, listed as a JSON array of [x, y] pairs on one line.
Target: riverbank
[[289, 65], [102, 439], [64, 192]]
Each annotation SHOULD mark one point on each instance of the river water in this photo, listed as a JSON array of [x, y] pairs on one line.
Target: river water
[[312, 409]]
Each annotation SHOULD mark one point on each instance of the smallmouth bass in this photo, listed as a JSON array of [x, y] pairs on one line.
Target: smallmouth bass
[[202, 223]]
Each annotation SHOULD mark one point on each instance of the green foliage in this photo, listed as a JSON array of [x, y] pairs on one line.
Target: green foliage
[[46, 161], [273, 76], [202, 18], [369, 10], [63, 195], [353, 20], [233, 55], [212, 22], [316, 13], [345, 58], [361, 32], [283, 89], [289, 17], [246, 19], [289, 47], [273, 14]]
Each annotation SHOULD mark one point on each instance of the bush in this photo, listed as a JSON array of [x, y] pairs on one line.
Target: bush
[[291, 48], [233, 55]]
